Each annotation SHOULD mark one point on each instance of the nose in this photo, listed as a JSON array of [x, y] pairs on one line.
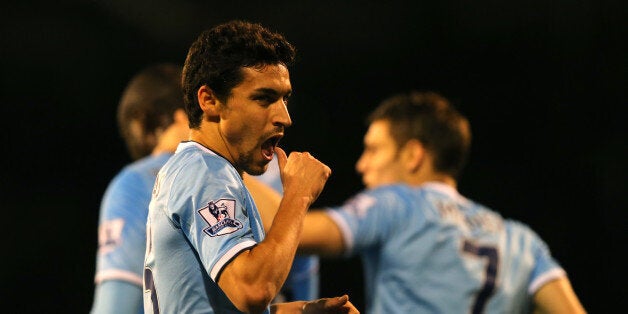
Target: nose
[[282, 116]]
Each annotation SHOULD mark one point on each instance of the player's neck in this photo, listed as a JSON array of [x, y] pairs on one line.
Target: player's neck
[[432, 177], [210, 136], [166, 147]]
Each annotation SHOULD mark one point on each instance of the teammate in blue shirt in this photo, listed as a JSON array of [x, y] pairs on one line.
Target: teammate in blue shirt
[[207, 251], [152, 121], [424, 247]]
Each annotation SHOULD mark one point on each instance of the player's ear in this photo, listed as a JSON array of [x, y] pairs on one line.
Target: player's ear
[[208, 101], [412, 155]]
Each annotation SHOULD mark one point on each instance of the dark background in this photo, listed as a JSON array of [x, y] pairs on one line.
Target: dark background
[[543, 83]]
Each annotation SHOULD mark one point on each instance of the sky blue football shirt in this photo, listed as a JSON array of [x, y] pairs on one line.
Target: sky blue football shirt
[[430, 250], [122, 237], [201, 216]]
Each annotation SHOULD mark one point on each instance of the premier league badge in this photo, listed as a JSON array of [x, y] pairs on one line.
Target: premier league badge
[[220, 216]]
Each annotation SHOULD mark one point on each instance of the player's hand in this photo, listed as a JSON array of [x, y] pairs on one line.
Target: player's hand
[[302, 175], [330, 305]]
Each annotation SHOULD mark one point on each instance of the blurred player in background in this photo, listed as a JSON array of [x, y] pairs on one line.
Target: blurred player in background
[[152, 122], [425, 248]]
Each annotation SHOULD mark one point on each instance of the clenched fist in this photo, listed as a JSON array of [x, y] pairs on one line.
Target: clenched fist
[[303, 176]]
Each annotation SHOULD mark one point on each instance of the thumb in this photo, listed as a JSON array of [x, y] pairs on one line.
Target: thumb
[[282, 158], [342, 299]]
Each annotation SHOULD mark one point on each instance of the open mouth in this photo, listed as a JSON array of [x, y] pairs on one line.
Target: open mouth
[[268, 147]]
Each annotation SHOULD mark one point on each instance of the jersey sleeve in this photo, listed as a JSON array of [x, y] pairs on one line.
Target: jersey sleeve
[[367, 218], [218, 225], [122, 230], [546, 268]]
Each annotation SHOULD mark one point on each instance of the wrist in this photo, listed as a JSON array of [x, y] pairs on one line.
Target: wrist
[[295, 202]]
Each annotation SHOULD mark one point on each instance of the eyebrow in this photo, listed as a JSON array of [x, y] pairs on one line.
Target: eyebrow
[[270, 92]]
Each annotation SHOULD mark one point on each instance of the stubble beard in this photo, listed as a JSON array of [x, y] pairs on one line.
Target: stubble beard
[[248, 163]]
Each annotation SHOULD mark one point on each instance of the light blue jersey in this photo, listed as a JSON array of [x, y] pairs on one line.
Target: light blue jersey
[[122, 237], [430, 250], [303, 280], [200, 217]]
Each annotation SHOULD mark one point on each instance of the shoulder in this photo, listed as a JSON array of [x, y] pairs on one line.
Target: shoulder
[[146, 167], [390, 190], [394, 194], [395, 197], [141, 171], [522, 229], [194, 169], [128, 178], [191, 157]]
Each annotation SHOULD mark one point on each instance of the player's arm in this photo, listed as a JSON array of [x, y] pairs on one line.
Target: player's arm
[[266, 199], [556, 297], [320, 235], [254, 277], [117, 296]]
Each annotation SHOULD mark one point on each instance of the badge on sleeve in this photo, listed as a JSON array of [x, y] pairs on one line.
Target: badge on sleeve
[[220, 216], [110, 235]]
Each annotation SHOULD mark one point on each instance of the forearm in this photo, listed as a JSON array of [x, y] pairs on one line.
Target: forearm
[[556, 297], [254, 277], [280, 244], [320, 235], [266, 199], [117, 296]]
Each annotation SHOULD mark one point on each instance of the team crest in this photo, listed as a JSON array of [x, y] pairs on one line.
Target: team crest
[[220, 216]]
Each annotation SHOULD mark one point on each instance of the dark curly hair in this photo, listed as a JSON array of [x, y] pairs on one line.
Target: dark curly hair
[[429, 118], [217, 56]]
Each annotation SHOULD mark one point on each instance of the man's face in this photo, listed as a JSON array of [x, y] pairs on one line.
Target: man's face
[[255, 116], [379, 163]]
